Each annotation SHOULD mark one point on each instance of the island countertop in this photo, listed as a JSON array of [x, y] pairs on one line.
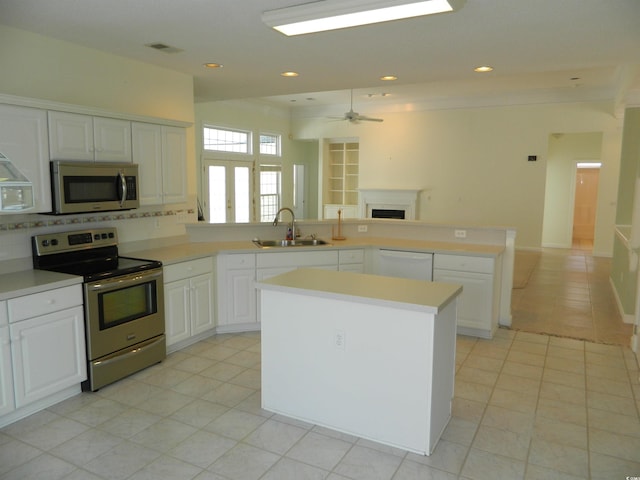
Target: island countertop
[[409, 294]]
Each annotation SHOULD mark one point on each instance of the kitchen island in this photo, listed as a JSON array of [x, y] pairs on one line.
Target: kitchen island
[[367, 355]]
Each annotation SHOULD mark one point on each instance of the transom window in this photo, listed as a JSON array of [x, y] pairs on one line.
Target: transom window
[[269, 144], [227, 140]]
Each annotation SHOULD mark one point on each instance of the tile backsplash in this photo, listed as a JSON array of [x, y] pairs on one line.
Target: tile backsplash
[[133, 225]]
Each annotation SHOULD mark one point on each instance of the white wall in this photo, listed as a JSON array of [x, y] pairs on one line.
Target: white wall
[[472, 163]]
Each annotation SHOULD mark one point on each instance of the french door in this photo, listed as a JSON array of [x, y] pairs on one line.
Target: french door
[[229, 185]]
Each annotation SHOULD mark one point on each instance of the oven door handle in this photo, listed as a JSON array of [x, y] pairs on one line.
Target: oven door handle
[[131, 279], [123, 188]]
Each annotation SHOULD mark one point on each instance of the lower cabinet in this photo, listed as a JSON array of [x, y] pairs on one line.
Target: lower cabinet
[[48, 354], [479, 302], [42, 351], [7, 402], [237, 292], [351, 260], [188, 298]]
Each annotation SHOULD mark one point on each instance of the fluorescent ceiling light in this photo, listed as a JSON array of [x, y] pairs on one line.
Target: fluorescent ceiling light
[[326, 15], [589, 164]]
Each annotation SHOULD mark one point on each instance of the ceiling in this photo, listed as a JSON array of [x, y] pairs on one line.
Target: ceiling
[[541, 51]]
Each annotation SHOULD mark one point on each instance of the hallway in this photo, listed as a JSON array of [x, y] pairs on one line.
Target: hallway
[[568, 294]]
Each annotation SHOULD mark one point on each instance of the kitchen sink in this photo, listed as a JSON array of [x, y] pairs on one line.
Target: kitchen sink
[[307, 242]]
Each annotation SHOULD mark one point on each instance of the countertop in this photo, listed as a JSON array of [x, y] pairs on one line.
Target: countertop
[[429, 297], [191, 251], [28, 282]]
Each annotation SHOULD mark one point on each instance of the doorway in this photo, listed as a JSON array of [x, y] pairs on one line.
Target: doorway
[[585, 203]]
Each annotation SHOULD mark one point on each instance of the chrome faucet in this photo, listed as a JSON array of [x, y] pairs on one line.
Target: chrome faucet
[[292, 225]]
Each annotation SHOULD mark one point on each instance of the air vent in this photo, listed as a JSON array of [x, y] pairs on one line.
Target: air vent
[[163, 47]]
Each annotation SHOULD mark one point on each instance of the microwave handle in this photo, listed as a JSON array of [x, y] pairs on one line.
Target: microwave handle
[[123, 188]]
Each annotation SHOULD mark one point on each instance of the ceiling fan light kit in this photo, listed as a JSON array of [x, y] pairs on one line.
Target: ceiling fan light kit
[[326, 15]]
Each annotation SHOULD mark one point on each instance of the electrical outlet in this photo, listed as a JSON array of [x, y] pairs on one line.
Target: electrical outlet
[[339, 339], [460, 233], [181, 217], [362, 228]]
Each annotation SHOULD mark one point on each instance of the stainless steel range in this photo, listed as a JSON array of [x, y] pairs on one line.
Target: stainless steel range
[[123, 301]]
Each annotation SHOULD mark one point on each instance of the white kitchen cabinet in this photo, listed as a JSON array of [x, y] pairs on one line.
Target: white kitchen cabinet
[[236, 292], [48, 354], [404, 264], [351, 260], [160, 152], [74, 136], [188, 296], [7, 403], [47, 349], [24, 141], [479, 302]]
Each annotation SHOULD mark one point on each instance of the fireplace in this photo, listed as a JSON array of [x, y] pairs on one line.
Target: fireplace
[[388, 213], [386, 203]]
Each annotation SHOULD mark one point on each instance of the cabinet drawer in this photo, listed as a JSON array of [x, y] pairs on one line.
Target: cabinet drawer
[[179, 271], [463, 263], [350, 256], [38, 304], [243, 260], [3, 313]]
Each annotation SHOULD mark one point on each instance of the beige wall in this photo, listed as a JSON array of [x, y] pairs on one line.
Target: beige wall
[[472, 163], [55, 72]]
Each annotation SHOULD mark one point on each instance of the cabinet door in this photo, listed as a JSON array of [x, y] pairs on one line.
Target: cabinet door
[[202, 314], [475, 301], [240, 297], [177, 311], [70, 136], [24, 141], [147, 153], [112, 140], [174, 169], [48, 354], [7, 403]]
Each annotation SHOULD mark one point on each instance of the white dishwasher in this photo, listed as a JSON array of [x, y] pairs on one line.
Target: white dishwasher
[[400, 263]]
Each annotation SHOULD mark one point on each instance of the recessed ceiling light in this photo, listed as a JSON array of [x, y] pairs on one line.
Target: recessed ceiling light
[[213, 65], [483, 69], [289, 74], [388, 78]]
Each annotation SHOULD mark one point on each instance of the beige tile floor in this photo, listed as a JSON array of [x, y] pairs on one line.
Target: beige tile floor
[[526, 406], [569, 295]]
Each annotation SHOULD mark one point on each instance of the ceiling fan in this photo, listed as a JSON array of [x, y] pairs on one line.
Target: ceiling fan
[[355, 117]]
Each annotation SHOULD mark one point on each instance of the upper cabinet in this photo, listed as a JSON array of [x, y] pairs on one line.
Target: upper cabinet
[[74, 136], [23, 140], [160, 152]]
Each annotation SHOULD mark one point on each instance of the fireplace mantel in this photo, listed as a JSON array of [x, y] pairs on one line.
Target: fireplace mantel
[[392, 199]]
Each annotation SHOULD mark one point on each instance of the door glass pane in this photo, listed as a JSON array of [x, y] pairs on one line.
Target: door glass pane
[[242, 194], [217, 194]]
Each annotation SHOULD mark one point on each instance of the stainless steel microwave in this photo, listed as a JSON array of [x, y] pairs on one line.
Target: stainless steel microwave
[[81, 187]]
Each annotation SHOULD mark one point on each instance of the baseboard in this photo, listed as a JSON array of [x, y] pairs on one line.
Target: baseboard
[[626, 317]]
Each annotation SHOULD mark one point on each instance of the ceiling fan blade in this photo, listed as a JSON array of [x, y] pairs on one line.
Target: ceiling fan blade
[[370, 119]]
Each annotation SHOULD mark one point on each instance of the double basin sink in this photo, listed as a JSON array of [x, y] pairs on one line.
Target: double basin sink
[[310, 242]]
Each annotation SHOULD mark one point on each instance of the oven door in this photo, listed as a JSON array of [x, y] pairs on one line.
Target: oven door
[[123, 311]]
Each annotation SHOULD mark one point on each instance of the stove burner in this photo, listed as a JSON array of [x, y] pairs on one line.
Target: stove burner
[[93, 254]]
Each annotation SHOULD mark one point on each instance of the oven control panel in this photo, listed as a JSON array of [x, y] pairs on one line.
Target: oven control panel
[[49, 243]]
